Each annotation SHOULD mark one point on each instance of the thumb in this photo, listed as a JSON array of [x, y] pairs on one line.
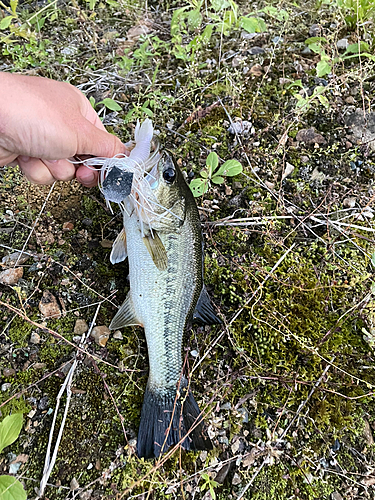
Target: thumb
[[97, 142]]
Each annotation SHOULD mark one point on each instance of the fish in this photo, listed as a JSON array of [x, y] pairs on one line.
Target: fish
[[162, 239]]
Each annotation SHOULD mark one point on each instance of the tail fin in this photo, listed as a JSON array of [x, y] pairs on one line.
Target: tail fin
[[165, 420]]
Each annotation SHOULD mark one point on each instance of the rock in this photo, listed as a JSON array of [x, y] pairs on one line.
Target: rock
[[9, 372], [240, 127], [67, 226], [35, 338], [15, 257], [74, 485], [336, 496], [315, 30], [101, 335], [49, 238], [256, 70], [80, 327], [288, 170], [362, 127], [256, 50], [39, 366], [368, 214], [350, 99], [118, 335], [310, 137], [342, 44], [222, 473], [5, 387], [236, 479], [85, 495], [349, 202], [106, 243], [49, 306], [270, 185], [11, 276]]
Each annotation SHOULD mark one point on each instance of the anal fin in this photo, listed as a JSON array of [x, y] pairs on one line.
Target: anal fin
[[157, 250], [125, 316], [204, 313], [119, 251]]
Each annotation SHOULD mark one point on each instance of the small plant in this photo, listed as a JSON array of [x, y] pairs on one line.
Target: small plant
[[10, 428], [326, 64], [110, 104], [355, 11], [209, 484], [211, 173]]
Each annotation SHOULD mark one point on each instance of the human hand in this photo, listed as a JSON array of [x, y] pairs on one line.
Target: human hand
[[43, 122]]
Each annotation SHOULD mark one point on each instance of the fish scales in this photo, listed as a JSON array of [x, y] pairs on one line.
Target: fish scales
[[166, 294]]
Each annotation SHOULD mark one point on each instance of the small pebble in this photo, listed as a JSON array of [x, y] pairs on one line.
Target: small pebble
[[74, 485], [349, 202], [67, 226], [8, 372], [342, 44], [35, 338], [6, 386], [80, 327], [118, 335], [48, 306], [101, 335], [236, 479], [11, 276]]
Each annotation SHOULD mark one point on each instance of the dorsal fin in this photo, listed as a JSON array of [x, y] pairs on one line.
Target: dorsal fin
[[125, 316], [157, 250], [119, 251], [204, 313]]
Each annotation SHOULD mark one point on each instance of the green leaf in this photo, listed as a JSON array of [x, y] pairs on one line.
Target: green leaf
[[194, 19], [92, 101], [354, 48], [219, 5], [276, 13], [5, 22], [13, 5], [315, 39], [217, 179], [373, 259], [323, 68], [10, 428], [110, 104], [250, 24], [178, 15], [315, 47], [207, 33], [148, 112], [204, 173], [230, 168], [212, 162], [323, 100], [199, 187], [11, 489]]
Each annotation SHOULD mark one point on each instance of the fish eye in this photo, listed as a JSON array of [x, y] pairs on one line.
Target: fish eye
[[169, 175]]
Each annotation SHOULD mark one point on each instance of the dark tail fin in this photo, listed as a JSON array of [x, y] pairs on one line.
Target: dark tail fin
[[165, 420]]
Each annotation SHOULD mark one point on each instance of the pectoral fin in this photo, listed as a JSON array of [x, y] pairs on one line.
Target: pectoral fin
[[204, 313], [119, 251], [126, 315], [157, 250]]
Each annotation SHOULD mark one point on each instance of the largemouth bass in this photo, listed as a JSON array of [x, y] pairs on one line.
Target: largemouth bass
[[166, 295]]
